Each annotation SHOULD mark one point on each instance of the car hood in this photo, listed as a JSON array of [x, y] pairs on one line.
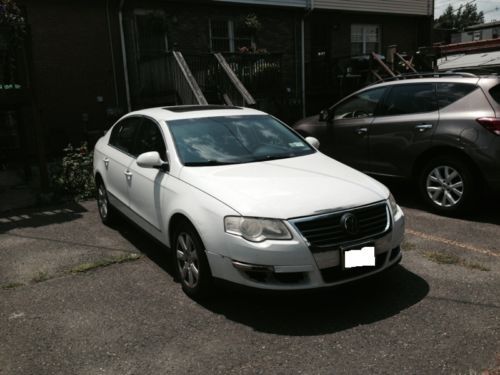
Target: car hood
[[286, 188]]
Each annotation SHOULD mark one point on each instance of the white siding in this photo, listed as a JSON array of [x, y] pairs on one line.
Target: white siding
[[286, 3], [417, 7]]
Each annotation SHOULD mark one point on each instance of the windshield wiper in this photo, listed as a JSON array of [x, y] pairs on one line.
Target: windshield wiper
[[208, 163], [274, 157]]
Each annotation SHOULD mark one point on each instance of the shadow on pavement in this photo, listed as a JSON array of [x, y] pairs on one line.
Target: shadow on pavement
[[327, 311], [300, 313], [38, 217], [154, 250], [406, 195]]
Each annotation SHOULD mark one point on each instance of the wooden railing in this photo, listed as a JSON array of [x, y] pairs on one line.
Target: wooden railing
[[236, 92], [183, 81]]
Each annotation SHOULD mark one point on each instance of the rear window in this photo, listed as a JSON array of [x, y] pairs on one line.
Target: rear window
[[495, 93], [449, 93]]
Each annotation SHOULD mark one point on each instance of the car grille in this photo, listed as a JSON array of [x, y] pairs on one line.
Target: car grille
[[324, 232]]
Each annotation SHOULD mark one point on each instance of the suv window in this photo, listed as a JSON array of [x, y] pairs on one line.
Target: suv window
[[122, 135], [149, 138], [448, 93], [410, 98], [360, 105], [495, 93]]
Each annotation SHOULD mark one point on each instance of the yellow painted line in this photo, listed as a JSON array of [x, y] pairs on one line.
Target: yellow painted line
[[451, 242]]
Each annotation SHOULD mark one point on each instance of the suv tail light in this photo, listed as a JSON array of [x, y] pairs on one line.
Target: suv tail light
[[490, 123]]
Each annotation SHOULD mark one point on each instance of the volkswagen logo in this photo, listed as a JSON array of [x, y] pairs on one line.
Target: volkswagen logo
[[349, 222]]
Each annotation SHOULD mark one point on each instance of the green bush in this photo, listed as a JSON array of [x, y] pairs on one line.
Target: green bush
[[74, 175]]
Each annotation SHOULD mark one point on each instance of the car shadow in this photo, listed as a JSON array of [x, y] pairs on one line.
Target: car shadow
[[40, 216], [486, 210], [326, 311], [145, 243], [299, 313]]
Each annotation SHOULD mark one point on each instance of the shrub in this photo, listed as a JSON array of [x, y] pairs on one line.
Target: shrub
[[74, 177]]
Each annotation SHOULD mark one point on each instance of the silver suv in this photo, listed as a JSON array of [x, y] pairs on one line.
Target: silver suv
[[442, 130]]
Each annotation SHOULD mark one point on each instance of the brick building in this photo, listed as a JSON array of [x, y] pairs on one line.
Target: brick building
[[93, 60]]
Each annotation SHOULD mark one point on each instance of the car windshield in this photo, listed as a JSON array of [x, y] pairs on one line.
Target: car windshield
[[235, 139]]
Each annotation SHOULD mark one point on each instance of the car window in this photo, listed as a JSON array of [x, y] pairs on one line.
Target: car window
[[495, 93], [235, 139], [122, 135], [448, 93], [408, 99], [149, 138], [360, 105]]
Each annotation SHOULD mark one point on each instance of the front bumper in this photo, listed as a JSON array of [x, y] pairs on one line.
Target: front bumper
[[290, 265]]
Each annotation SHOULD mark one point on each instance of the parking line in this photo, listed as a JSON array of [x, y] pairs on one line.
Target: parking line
[[451, 242]]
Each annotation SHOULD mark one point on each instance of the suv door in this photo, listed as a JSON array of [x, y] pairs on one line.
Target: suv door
[[117, 159], [404, 129], [348, 127], [146, 192]]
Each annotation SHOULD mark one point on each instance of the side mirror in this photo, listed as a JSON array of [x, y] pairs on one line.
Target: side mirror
[[323, 115], [313, 142], [152, 160]]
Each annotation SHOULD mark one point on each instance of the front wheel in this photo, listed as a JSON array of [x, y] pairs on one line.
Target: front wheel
[[447, 185], [191, 262]]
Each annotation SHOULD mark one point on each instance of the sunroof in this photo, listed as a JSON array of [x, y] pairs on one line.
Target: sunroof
[[192, 108]]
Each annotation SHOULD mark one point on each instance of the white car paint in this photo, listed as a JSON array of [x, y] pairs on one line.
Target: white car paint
[[279, 189]]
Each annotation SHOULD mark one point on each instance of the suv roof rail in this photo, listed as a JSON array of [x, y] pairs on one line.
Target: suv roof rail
[[427, 75]]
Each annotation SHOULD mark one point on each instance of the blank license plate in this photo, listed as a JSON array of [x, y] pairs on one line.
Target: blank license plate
[[359, 258]]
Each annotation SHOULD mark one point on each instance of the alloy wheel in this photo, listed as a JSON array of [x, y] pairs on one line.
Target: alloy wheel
[[187, 260], [445, 186], [102, 201]]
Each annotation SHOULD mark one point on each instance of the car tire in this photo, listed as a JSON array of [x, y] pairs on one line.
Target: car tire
[[447, 185], [190, 262], [107, 212]]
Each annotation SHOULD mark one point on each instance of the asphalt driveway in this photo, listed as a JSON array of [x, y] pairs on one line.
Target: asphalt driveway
[[77, 297]]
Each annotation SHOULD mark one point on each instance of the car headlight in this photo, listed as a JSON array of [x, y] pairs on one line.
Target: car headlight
[[256, 230], [392, 204]]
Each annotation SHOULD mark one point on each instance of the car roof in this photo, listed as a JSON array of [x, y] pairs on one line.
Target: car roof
[[451, 79], [194, 111]]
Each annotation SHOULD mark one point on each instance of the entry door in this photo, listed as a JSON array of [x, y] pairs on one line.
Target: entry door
[[404, 129], [147, 188]]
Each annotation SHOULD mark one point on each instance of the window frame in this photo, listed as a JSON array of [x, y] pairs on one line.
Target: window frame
[[383, 108], [376, 111], [119, 123], [231, 37], [145, 118], [363, 37], [141, 119]]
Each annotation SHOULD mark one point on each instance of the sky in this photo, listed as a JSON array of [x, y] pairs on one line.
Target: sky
[[491, 8]]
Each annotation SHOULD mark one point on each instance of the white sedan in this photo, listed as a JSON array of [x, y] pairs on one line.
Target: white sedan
[[239, 196]]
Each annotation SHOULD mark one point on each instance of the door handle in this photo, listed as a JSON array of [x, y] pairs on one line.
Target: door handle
[[423, 127], [128, 174], [106, 162], [361, 131]]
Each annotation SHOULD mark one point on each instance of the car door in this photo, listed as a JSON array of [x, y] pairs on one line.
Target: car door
[[146, 192], [117, 159], [348, 128], [404, 129]]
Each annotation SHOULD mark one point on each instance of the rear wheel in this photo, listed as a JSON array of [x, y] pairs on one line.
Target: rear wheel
[[106, 211], [447, 185], [191, 262]]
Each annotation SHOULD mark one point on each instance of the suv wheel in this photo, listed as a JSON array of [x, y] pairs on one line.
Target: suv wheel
[[191, 264], [447, 185]]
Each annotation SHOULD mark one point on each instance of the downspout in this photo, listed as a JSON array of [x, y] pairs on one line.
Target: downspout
[[124, 55], [309, 9], [112, 50]]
